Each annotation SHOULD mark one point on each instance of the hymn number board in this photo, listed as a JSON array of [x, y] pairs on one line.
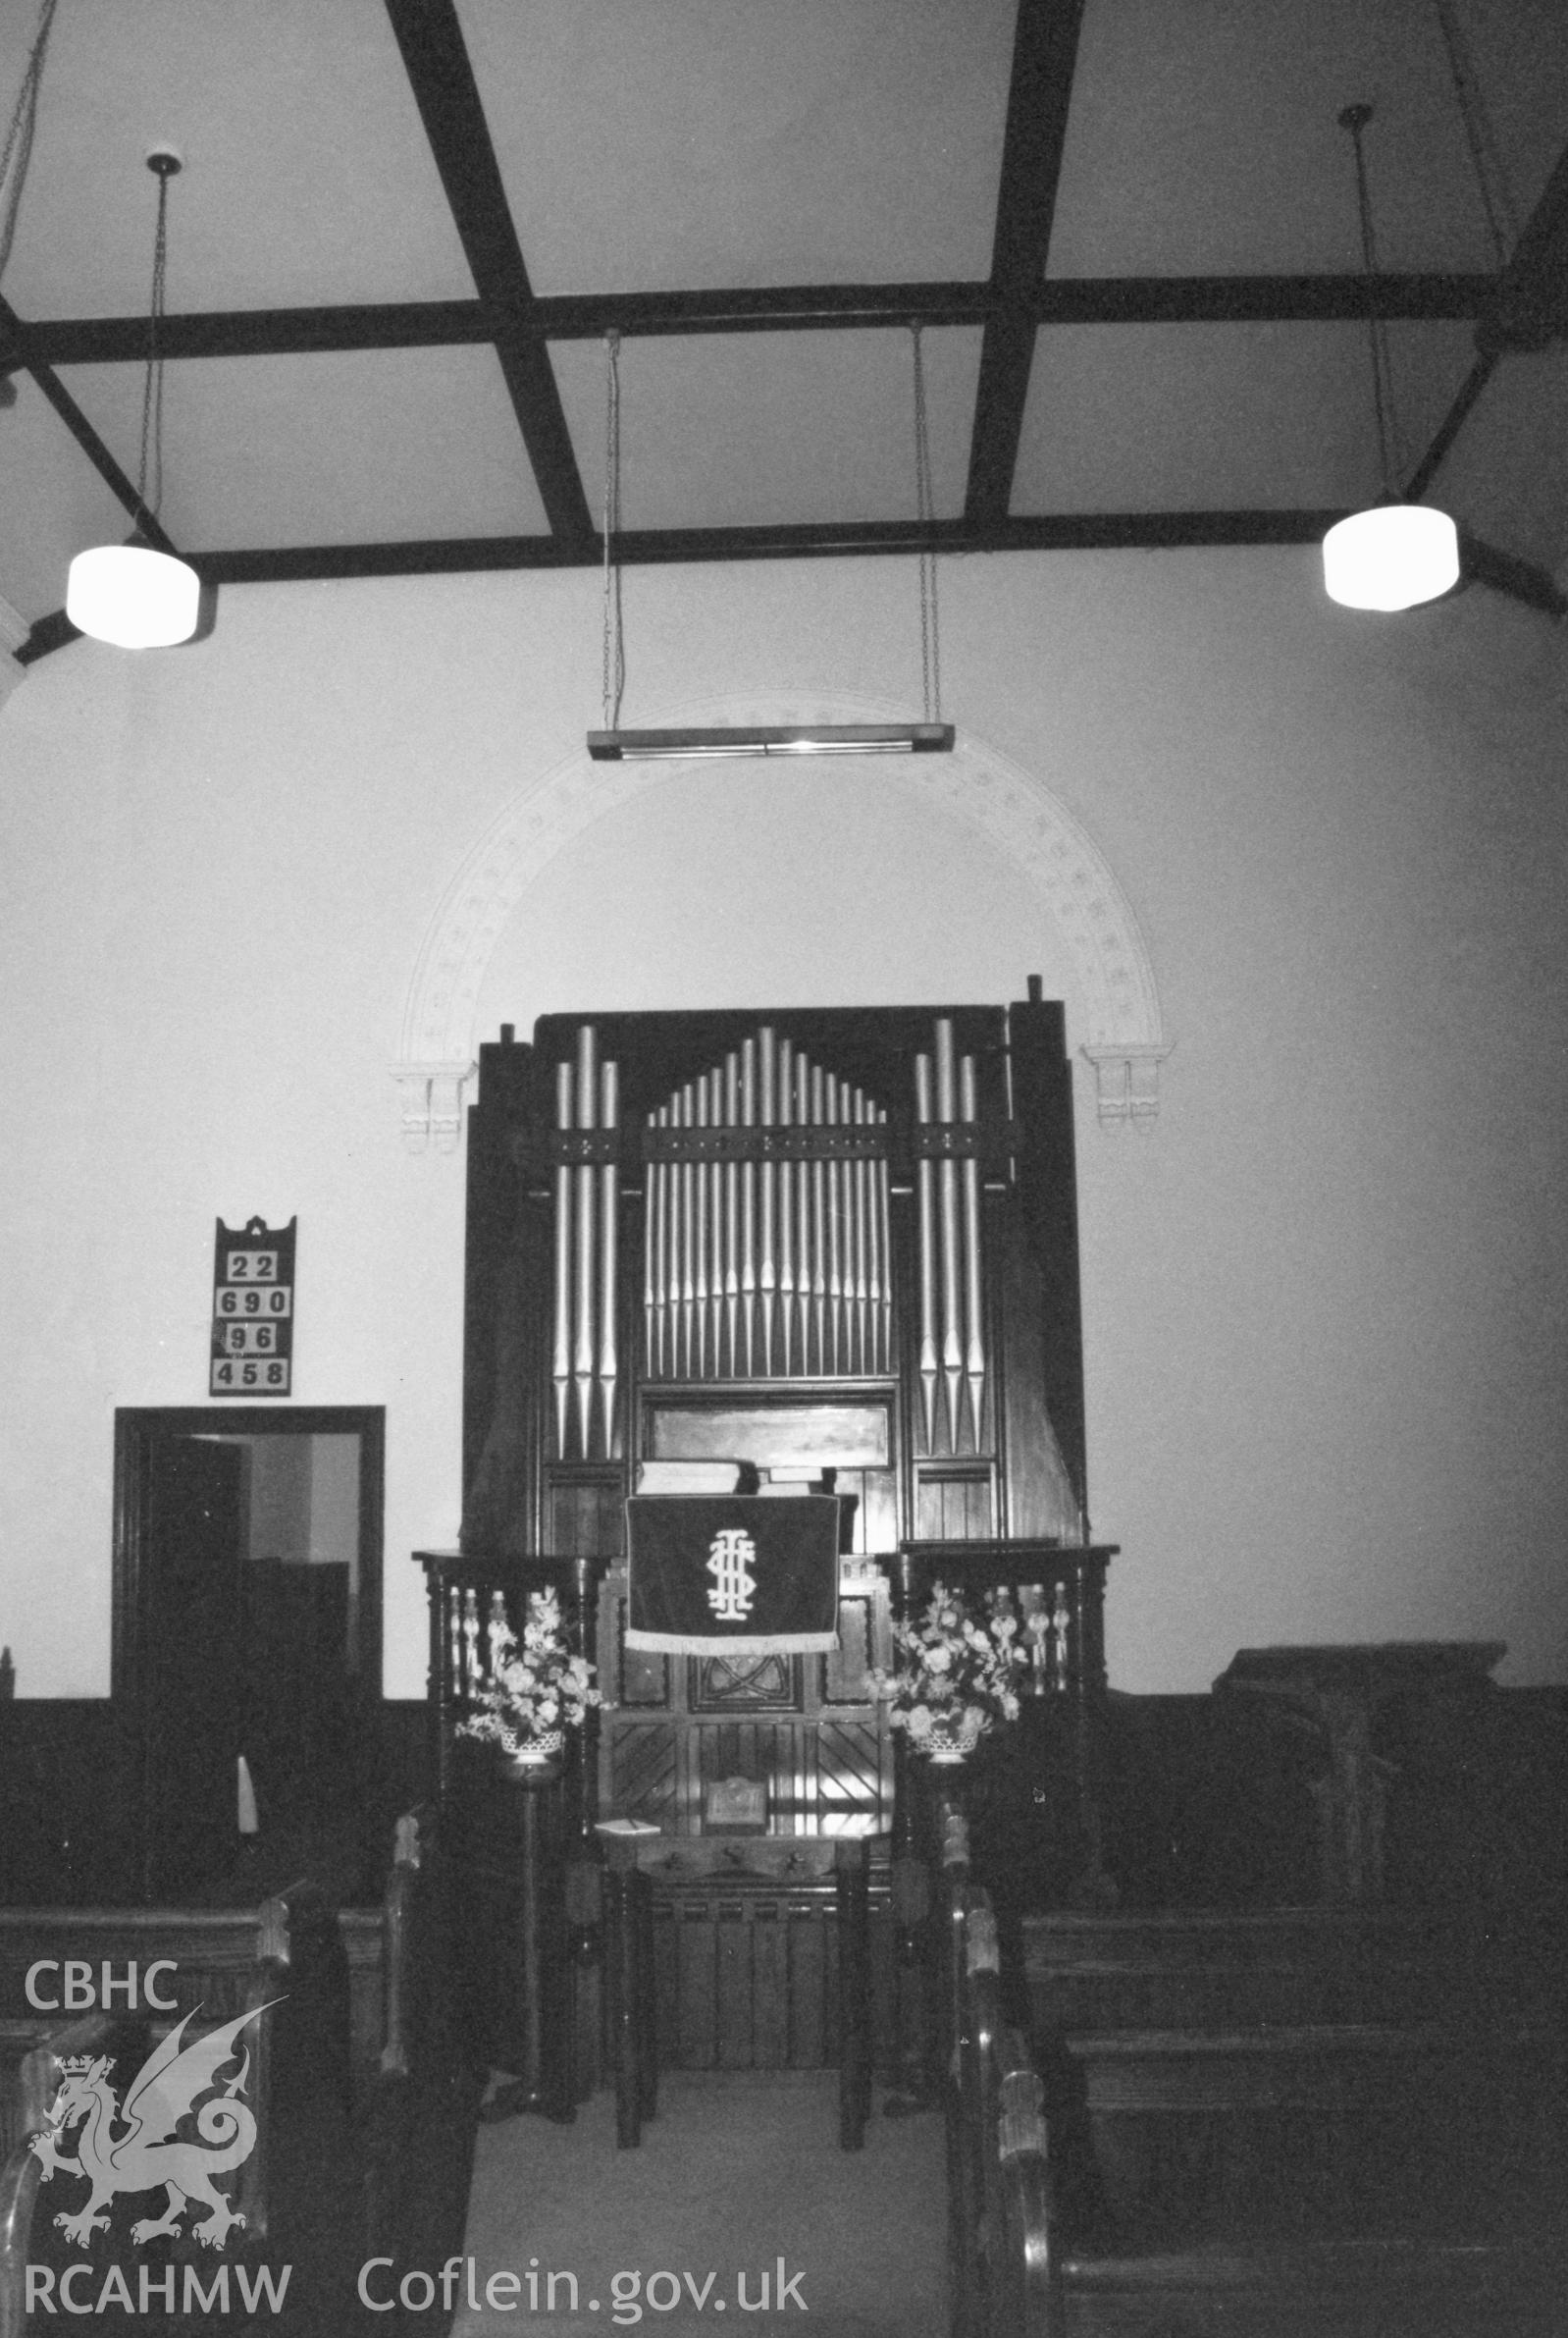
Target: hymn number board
[[254, 1311]]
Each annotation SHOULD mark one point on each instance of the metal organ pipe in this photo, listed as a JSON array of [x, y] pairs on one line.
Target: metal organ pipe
[[730, 1173], [584, 1349], [608, 1207], [583, 1238], [561, 1360], [925, 1185], [744, 1365], [767, 1272], [951, 1282], [702, 1178], [947, 1188], [786, 1204], [654, 1255], [773, 1254], [973, 1284], [825, 1290], [686, 1240]]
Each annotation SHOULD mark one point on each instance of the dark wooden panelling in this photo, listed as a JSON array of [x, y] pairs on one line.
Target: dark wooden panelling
[[953, 1505], [745, 1958], [63, 1834], [644, 1770], [852, 1783], [1048, 1231], [809, 1937], [771, 1996], [585, 1514]]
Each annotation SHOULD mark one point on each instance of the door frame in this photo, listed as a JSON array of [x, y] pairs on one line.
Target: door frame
[[138, 1430], [138, 1426]]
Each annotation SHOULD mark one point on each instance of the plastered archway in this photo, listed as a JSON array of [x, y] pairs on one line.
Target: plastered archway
[[1012, 806]]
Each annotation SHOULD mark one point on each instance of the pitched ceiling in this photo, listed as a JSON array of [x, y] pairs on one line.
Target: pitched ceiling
[[1127, 229]]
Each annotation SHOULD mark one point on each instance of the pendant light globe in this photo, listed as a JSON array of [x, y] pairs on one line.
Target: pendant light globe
[[1396, 554], [1391, 556], [133, 595]]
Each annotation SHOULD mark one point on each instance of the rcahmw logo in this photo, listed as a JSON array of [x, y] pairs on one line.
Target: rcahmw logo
[[134, 2146]]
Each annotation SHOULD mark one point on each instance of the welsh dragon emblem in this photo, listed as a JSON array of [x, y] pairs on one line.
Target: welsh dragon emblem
[[149, 2152]]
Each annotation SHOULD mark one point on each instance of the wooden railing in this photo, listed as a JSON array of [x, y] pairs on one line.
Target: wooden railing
[[632, 1979], [1001, 2279], [417, 2135], [629, 2011]]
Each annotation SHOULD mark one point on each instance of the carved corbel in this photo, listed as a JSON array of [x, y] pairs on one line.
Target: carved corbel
[[432, 1102], [1129, 1083]]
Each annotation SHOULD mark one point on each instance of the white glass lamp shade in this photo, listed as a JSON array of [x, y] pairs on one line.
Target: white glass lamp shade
[[134, 596], [1393, 556]]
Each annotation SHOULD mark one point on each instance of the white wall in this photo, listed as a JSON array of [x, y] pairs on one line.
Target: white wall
[[1324, 1295]]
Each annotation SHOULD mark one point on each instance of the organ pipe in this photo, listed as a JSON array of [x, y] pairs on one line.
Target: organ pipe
[[608, 1207], [925, 1185], [952, 1257], [583, 1358], [953, 1358], [585, 1362], [561, 1361], [766, 1259]]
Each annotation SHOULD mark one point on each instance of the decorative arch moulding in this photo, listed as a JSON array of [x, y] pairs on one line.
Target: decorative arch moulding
[[436, 1059]]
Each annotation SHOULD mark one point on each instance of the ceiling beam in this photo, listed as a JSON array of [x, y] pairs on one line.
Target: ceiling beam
[[1526, 308], [256, 331], [1505, 572], [1044, 54], [1532, 306], [13, 335], [437, 62], [1448, 429], [803, 540], [1071, 531], [456, 324]]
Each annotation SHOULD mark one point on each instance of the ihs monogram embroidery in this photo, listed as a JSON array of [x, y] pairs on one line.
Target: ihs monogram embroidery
[[729, 1562]]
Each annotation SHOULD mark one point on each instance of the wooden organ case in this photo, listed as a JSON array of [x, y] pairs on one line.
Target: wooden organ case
[[820, 1242]]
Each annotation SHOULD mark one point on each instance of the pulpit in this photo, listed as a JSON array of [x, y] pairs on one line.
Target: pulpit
[[1334, 1694], [836, 1249]]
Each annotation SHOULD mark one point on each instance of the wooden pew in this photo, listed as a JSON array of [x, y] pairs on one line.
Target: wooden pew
[[1040, 2251], [295, 2189], [213, 1952]]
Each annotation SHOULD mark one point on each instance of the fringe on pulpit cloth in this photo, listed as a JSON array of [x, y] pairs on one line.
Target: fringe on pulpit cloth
[[732, 1574]]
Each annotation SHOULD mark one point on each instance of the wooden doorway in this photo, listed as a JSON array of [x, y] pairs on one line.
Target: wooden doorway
[[247, 1571]]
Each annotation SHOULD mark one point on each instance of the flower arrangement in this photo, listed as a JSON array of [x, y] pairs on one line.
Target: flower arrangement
[[538, 1689], [955, 1677]]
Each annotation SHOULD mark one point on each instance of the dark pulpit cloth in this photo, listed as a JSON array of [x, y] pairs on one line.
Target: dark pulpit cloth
[[712, 1574]]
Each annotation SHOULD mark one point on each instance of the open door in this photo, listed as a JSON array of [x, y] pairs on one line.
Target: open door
[[191, 1625], [247, 1620]]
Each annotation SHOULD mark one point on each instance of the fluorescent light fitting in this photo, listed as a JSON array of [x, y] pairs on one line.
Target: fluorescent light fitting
[[832, 739]]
